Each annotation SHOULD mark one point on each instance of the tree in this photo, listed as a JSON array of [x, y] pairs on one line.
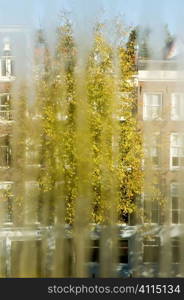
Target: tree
[[102, 92], [131, 139], [115, 139]]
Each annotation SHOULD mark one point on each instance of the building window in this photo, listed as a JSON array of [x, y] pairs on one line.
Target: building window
[[151, 249], [32, 152], [7, 67], [152, 106], [177, 150], [177, 106], [175, 207], [5, 151], [151, 209], [94, 251], [123, 251], [175, 244], [32, 209], [154, 150], [154, 211], [5, 112], [7, 64], [6, 196]]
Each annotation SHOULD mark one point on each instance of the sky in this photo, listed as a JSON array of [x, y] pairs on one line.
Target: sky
[[44, 12]]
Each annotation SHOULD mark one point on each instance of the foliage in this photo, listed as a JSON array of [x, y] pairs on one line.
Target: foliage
[[116, 177]]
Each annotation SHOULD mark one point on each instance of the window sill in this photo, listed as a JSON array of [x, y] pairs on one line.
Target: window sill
[[7, 78], [33, 165], [152, 224], [2, 120], [153, 120], [176, 168], [7, 167]]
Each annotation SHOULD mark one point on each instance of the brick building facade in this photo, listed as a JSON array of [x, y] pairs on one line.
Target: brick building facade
[[161, 117]]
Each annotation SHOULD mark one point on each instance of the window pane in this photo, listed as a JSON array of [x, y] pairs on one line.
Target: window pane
[[147, 99], [152, 106], [151, 254], [151, 250], [177, 111], [8, 67], [4, 100], [154, 151], [175, 203], [3, 67], [155, 160], [156, 112], [175, 139], [6, 197], [175, 151], [95, 255], [32, 152], [5, 106], [175, 216], [174, 189], [181, 161], [123, 251], [154, 217], [156, 100], [5, 152], [32, 208], [12, 68], [175, 161], [175, 255]]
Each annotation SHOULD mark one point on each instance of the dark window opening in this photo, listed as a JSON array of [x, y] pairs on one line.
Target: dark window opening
[[123, 251], [95, 251], [175, 250], [151, 250], [175, 217]]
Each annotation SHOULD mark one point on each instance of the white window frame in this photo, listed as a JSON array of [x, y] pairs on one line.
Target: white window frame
[[154, 149], [152, 243], [8, 153], [175, 185], [178, 148], [31, 153], [5, 186], [8, 61], [177, 113], [152, 209], [8, 66], [32, 190], [175, 244], [5, 114], [148, 115]]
